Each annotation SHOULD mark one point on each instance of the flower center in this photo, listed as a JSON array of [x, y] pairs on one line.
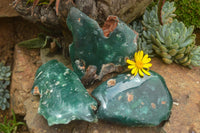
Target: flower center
[[139, 64]]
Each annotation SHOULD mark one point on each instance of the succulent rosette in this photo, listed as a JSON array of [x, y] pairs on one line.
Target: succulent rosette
[[175, 43]]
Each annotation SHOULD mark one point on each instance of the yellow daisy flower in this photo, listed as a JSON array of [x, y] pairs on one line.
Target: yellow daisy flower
[[140, 65]]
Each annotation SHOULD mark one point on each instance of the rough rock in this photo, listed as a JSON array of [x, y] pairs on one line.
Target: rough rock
[[25, 65], [6, 9], [126, 10]]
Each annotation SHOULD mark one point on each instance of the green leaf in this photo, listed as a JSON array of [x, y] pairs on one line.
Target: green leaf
[[189, 31], [189, 41], [159, 37], [33, 43]]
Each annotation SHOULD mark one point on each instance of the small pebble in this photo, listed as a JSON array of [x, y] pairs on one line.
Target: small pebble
[[175, 103]]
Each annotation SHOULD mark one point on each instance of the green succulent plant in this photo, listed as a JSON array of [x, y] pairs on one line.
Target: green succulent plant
[[150, 25], [146, 38], [195, 56], [143, 43], [137, 26], [150, 17], [175, 42], [5, 74], [151, 21], [4, 95], [168, 12], [170, 39], [187, 11]]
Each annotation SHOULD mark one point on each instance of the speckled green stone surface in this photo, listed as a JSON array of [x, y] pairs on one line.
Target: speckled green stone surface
[[62, 96], [93, 48], [134, 101]]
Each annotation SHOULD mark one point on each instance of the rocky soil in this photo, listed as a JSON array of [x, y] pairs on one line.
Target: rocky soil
[[6, 9]]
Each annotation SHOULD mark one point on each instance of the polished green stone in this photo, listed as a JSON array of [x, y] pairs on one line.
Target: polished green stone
[[91, 47], [62, 96], [134, 101]]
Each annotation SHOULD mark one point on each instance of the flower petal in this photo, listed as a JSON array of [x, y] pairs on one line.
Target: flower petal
[[136, 71], [141, 54], [136, 56], [146, 72], [141, 73], [147, 65], [130, 62], [131, 66], [133, 70], [145, 58], [148, 60]]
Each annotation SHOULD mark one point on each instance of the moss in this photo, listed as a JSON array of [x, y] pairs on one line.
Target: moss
[[188, 11]]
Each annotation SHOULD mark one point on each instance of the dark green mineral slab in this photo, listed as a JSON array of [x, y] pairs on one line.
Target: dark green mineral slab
[[62, 96], [91, 47], [134, 101]]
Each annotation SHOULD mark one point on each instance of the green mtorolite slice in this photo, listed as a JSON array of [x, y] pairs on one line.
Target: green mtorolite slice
[[63, 98], [134, 101]]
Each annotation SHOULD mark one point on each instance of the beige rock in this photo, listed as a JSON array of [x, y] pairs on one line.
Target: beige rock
[[25, 65], [126, 10], [6, 9]]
